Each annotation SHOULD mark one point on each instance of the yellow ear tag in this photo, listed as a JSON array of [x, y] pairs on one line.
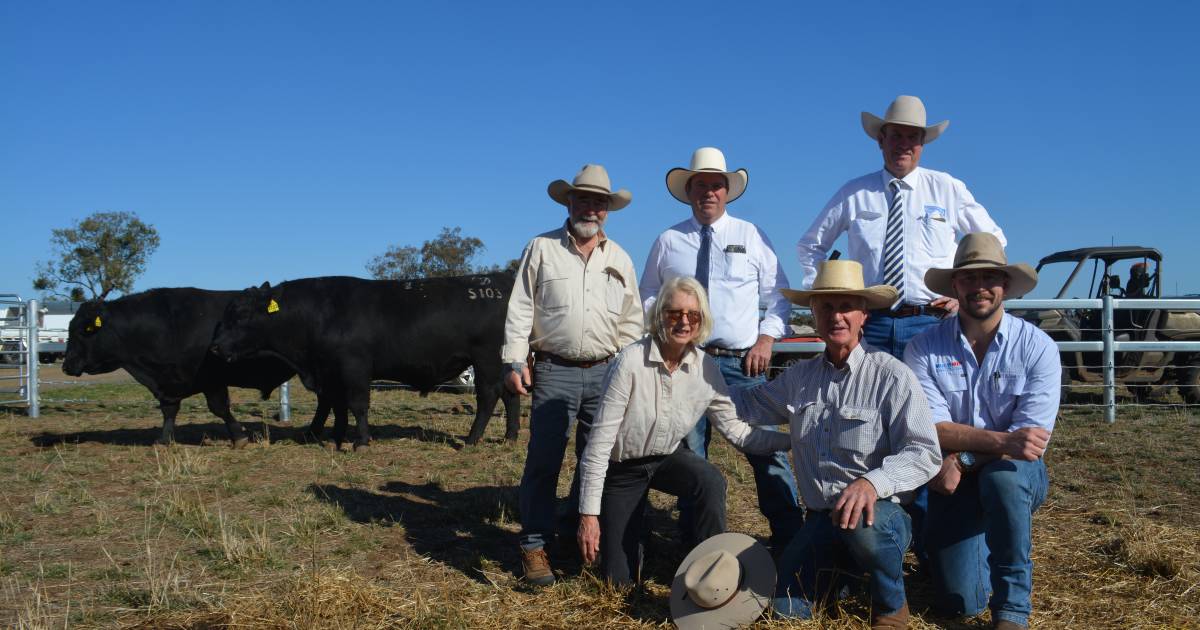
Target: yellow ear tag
[[97, 321], [273, 307]]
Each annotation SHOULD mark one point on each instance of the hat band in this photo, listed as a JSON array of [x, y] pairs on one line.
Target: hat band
[[733, 593], [839, 288], [592, 188], [983, 261]]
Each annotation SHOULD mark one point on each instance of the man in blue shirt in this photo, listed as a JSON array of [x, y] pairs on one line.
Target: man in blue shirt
[[992, 381]]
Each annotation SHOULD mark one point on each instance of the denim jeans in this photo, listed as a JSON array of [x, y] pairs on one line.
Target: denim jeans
[[981, 537], [777, 495], [810, 567], [561, 396]]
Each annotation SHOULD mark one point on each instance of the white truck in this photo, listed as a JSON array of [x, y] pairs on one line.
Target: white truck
[[53, 320]]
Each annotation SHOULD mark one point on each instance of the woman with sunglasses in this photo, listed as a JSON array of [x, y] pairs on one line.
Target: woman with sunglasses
[[655, 392]]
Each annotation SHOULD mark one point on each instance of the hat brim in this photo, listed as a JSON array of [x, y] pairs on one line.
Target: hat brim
[[1021, 278], [677, 179], [878, 296], [755, 592], [873, 124], [560, 190]]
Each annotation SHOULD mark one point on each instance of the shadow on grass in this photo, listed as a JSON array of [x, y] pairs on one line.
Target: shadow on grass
[[191, 433], [456, 528]]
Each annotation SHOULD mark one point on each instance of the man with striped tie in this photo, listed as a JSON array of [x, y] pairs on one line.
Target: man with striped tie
[[900, 222]]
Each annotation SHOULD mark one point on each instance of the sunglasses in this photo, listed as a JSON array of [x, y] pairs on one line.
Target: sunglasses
[[675, 315]]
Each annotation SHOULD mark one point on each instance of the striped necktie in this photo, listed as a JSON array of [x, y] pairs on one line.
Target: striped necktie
[[706, 232], [893, 244]]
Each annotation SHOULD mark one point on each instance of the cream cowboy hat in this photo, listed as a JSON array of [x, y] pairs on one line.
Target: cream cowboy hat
[[591, 178], [981, 250], [905, 110], [843, 277], [725, 582], [707, 160]]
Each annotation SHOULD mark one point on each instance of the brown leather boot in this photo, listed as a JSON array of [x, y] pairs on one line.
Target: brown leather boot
[[891, 621], [1004, 624], [537, 567]]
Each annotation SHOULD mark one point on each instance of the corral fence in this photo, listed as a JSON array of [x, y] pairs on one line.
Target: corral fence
[[1096, 352]]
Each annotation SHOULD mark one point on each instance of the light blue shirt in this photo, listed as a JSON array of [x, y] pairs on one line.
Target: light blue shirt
[[1017, 386]]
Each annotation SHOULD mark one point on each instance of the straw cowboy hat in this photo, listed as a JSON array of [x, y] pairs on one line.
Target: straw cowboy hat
[[591, 178], [982, 250], [843, 277], [707, 160], [725, 582], [905, 110]]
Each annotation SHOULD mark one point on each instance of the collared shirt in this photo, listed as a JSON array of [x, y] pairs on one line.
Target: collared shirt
[[868, 419], [579, 309], [744, 270], [938, 209], [1016, 386], [647, 411]]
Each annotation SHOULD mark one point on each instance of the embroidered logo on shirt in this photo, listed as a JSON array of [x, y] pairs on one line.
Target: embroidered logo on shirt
[[949, 366], [735, 249], [935, 213]]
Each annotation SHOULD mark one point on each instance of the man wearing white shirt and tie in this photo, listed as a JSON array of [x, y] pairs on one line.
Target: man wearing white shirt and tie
[[900, 222], [736, 264]]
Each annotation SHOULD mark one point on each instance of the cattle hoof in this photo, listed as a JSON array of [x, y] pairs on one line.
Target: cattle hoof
[[510, 438], [240, 443], [329, 446], [359, 447]]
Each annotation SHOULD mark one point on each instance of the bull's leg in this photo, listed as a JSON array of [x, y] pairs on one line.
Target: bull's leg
[[340, 422], [485, 404], [317, 426], [359, 400], [170, 409], [512, 414], [218, 403]]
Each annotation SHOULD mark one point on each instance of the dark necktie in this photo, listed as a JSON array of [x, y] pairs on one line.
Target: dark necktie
[[703, 255], [893, 244]]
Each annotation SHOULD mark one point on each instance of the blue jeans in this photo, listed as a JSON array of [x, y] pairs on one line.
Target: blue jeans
[[981, 537], [815, 564], [561, 395], [777, 495]]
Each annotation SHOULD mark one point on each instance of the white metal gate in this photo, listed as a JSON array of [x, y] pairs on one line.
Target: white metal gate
[[18, 352]]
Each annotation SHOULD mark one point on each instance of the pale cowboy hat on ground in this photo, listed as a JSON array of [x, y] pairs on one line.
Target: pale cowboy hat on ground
[[843, 277], [982, 250], [725, 582], [707, 160], [591, 178], [905, 110]]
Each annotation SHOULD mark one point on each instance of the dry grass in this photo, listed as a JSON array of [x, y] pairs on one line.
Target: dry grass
[[98, 529]]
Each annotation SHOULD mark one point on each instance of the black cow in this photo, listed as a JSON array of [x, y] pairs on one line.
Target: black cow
[[162, 337], [341, 333]]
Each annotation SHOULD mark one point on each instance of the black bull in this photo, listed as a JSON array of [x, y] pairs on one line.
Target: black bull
[[340, 333], [162, 338]]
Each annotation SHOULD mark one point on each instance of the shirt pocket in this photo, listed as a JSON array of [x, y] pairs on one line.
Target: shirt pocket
[[554, 294], [805, 420], [614, 292], [937, 235], [737, 265], [1004, 391], [866, 231], [857, 430]]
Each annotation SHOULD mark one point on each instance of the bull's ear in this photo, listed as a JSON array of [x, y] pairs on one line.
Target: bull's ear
[[265, 286]]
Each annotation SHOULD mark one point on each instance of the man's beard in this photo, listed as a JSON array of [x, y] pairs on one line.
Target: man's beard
[[585, 229], [965, 310]]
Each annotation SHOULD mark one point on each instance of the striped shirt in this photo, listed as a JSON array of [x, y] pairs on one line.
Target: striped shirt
[[868, 419]]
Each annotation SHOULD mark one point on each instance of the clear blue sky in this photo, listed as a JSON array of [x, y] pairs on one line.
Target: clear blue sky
[[278, 140]]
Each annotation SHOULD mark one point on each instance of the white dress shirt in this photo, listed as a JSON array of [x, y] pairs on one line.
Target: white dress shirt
[[938, 210], [647, 411], [743, 269]]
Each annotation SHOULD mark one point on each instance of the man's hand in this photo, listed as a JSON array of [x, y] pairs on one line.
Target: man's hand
[[1027, 444], [946, 481], [950, 304], [518, 383], [856, 501], [758, 358], [589, 537]]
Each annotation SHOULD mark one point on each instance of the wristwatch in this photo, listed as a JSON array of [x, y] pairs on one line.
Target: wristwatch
[[967, 461]]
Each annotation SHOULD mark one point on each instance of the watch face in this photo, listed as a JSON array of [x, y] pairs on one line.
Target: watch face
[[966, 459]]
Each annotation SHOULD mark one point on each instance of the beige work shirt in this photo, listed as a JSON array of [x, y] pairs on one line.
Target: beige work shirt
[[579, 309]]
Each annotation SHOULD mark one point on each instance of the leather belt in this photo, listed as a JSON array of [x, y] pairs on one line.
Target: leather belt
[[550, 357], [912, 310], [717, 351]]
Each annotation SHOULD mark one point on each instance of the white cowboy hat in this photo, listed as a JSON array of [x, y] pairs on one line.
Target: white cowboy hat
[[591, 178], [843, 277], [725, 582], [905, 110], [707, 160], [982, 250]]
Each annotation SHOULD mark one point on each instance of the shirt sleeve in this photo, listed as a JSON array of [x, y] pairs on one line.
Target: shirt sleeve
[[1037, 406], [972, 216], [652, 275], [593, 465], [916, 456], [723, 414], [918, 359], [519, 321], [771, 279], [766, 403], [632, 323], [821, 235]]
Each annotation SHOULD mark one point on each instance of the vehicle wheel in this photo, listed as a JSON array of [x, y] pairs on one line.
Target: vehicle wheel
[[466, 380], [46, 359], [1141, 393], [1189, 385]]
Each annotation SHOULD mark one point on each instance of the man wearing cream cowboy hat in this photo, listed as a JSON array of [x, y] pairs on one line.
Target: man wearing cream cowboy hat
[[993, 383], [737, 266], [862, 442], [574, 305], [900, 221]]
